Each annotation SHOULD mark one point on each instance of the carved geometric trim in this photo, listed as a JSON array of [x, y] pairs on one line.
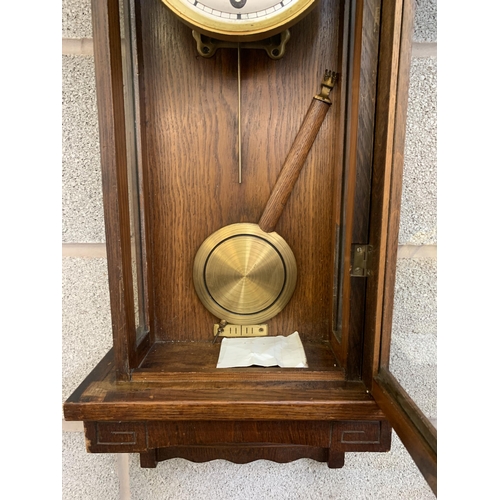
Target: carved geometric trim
[[345, 439], [119, 436], [122, 437], [361, 436]]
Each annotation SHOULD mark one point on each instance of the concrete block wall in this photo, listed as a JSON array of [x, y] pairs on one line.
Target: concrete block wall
[[86, 324]]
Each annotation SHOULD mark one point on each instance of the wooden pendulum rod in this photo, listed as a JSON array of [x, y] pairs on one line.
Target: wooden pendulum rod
[[297, 154]]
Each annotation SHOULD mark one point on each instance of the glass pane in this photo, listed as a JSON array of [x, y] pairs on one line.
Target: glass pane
[[413, 358], [133, 148], [414, 336]]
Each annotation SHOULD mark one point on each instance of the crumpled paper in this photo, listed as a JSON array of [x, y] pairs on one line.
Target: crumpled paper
[[286, 352]]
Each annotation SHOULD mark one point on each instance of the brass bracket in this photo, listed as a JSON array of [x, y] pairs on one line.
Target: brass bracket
[[240, 330], [361, 260], [327, 85], [274, 45]]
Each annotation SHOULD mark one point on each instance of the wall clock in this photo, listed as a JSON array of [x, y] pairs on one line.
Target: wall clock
[[168, 126]]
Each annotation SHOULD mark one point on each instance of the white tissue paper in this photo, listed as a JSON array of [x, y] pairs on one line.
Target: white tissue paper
[[286, 352]]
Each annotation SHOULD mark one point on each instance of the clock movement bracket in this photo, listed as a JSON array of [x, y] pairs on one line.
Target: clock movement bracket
[[274, 45]]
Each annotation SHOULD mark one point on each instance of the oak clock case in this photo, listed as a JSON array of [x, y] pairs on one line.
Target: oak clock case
[[195, 142]]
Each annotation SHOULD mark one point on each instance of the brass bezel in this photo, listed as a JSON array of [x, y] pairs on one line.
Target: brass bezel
[[240, 30]]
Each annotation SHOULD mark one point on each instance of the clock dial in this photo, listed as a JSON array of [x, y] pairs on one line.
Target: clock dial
[[240, 10], [242, 20]]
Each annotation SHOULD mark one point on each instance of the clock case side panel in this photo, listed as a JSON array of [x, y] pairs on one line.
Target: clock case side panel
[[361, 45], [129, 350]]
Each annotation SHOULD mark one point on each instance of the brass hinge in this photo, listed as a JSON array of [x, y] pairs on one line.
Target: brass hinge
[[361, 260]]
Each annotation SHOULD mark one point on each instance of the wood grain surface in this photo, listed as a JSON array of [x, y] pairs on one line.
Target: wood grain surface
[[190, 123], [238, 441], [109, 82], [197, 361], [101, 397]]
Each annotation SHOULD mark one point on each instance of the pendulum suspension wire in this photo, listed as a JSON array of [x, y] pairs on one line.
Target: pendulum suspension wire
[[239, 116]]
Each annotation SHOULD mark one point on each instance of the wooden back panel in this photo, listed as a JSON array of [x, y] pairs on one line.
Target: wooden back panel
[[190, 121]]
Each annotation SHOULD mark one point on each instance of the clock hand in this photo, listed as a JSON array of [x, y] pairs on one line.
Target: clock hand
[[297, 154], [238, 4]]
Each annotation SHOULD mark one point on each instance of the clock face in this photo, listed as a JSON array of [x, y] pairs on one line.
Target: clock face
[[241, 20]]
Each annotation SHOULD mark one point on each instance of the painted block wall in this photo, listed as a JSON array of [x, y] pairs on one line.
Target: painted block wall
[[86, 325]]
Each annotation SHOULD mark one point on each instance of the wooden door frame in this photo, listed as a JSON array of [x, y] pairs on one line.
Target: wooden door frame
[[415, 431], [115, 183]]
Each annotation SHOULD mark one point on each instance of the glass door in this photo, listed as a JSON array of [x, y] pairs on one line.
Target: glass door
[[387, 341]]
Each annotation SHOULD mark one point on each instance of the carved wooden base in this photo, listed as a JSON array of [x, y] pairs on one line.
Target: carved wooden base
[[238, 442], [242, 454]]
